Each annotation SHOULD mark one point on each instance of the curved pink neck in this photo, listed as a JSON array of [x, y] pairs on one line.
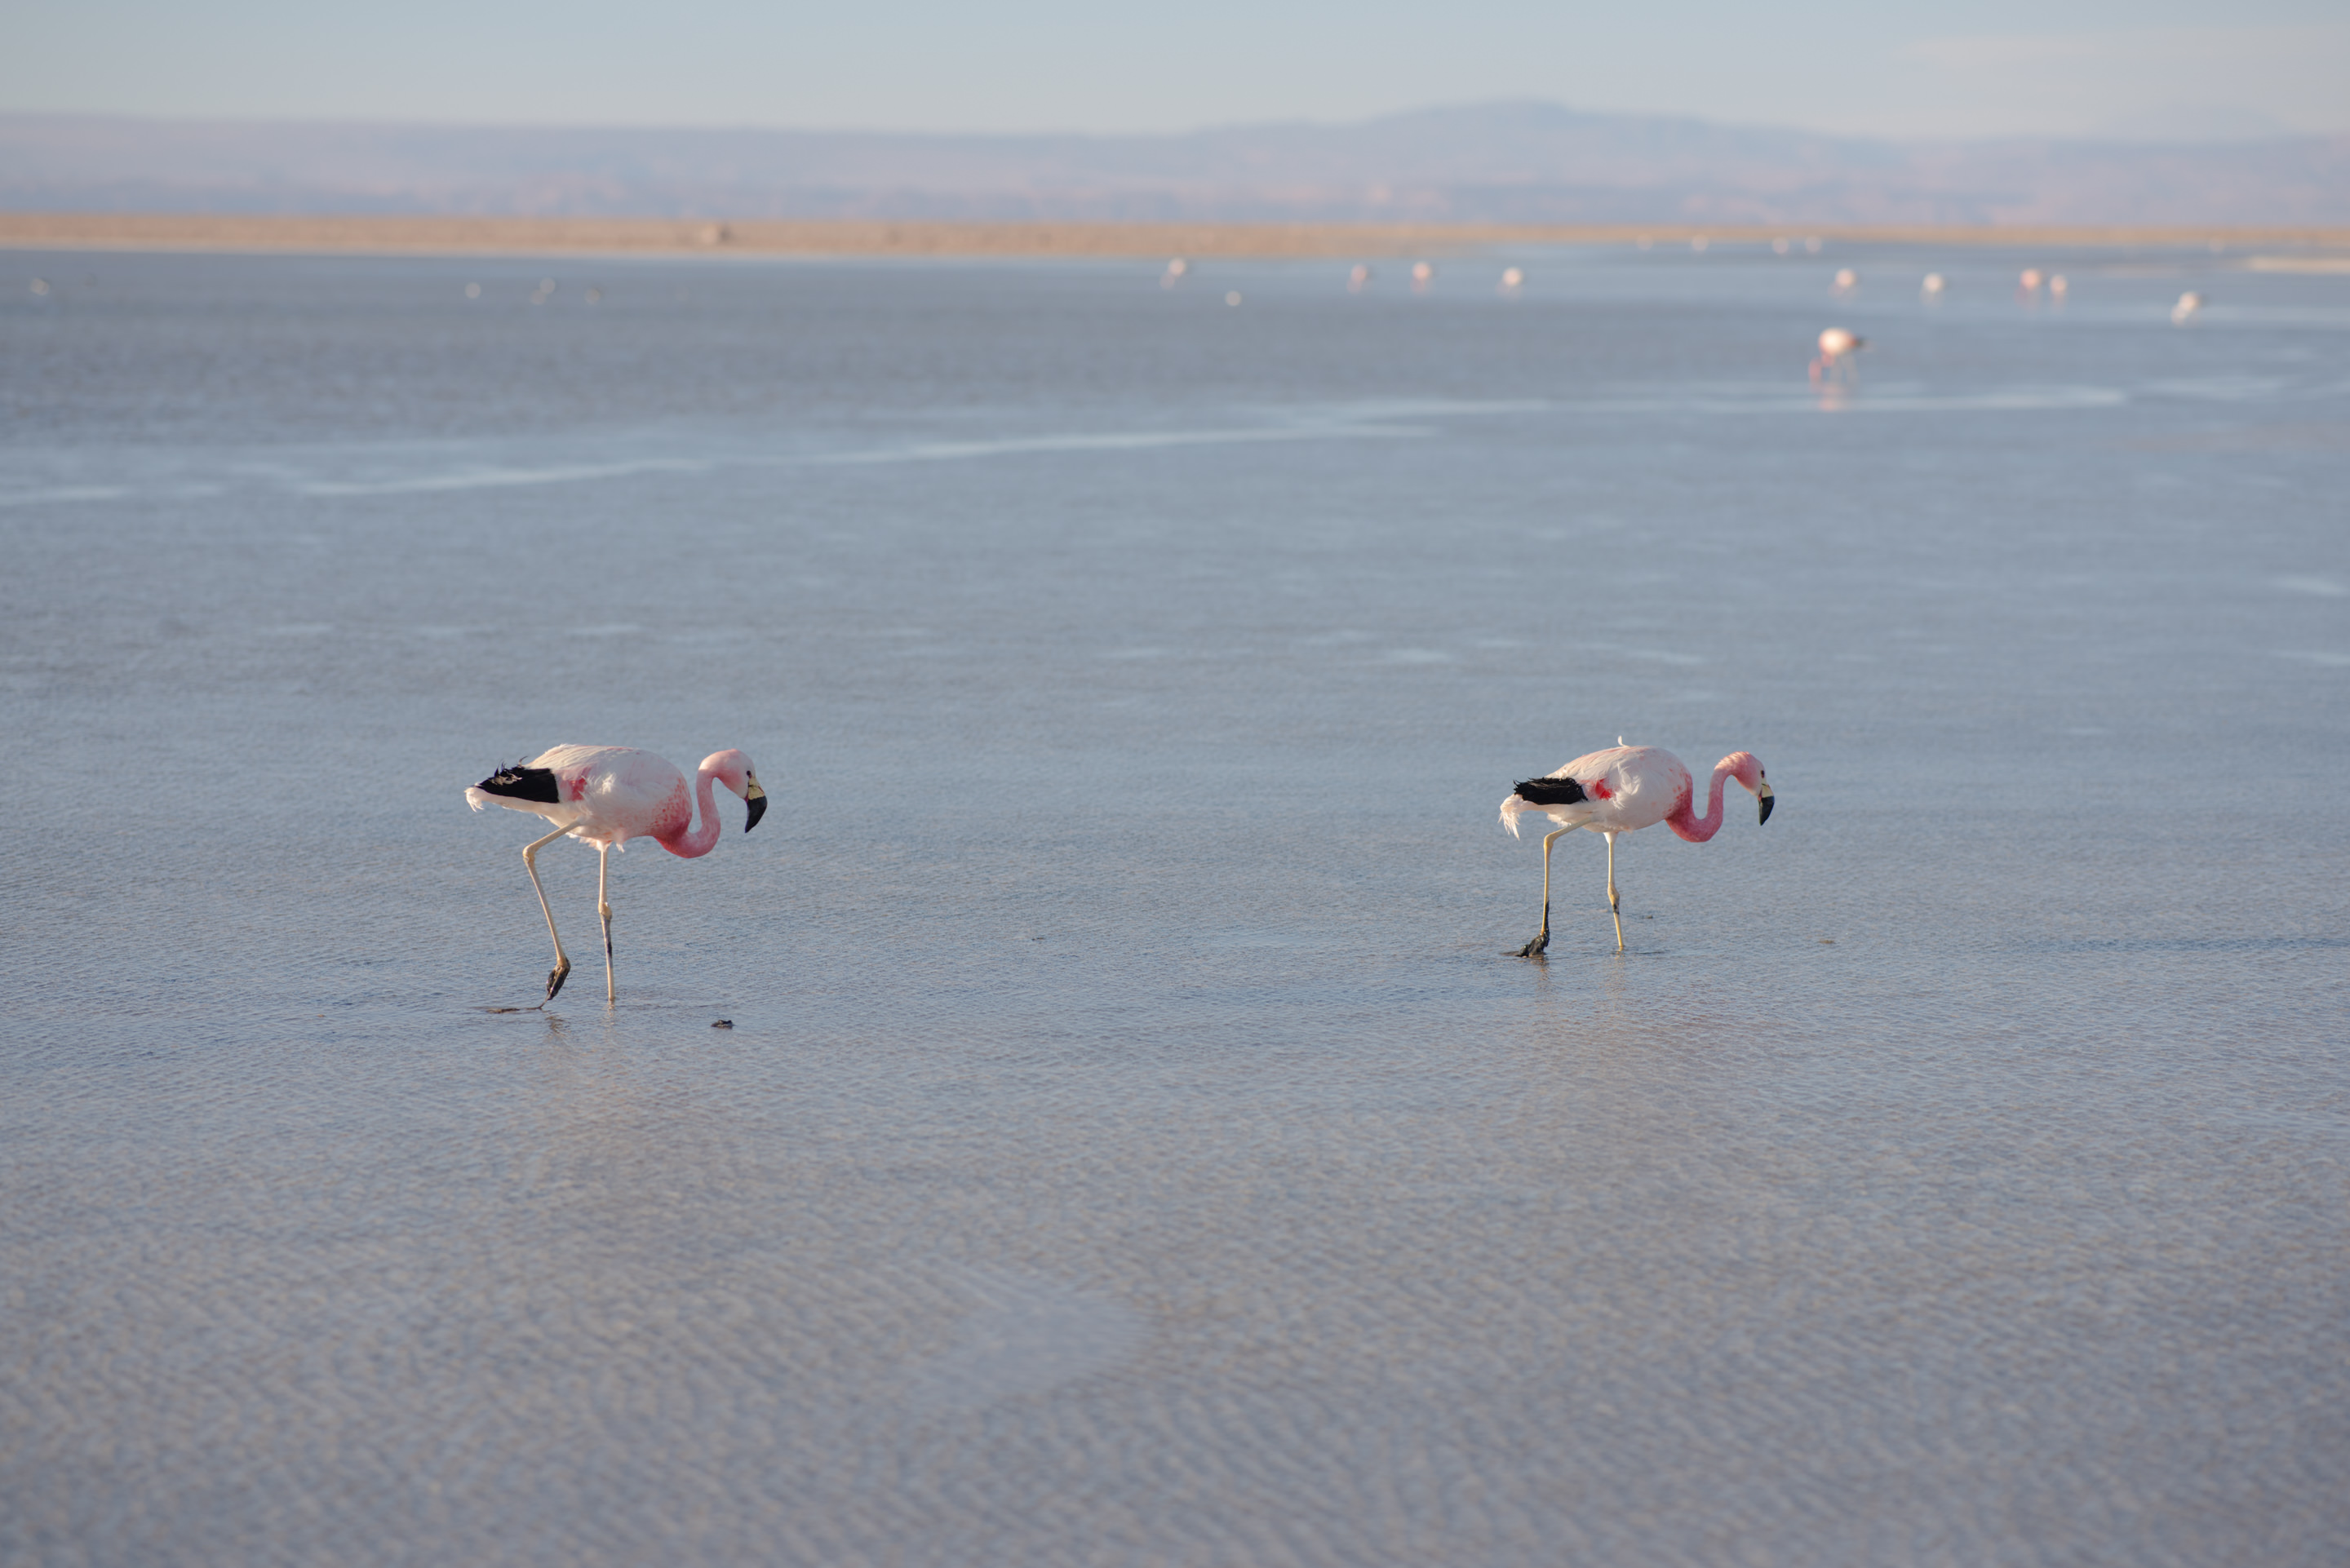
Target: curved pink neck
[[702, 838], [1697, 829]]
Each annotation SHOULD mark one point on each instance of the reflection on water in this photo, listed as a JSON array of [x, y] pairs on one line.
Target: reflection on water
[[1132, 1144]]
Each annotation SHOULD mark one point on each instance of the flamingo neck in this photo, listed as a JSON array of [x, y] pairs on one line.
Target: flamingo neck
[[1697, 829], [703, 837]]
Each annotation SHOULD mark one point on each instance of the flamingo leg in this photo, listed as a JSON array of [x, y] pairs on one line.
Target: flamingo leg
[[1614, 908], [1535, 948], [603, 908], [562, 970]]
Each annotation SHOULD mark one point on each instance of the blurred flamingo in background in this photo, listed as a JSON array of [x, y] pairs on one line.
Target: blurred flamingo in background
[[606, 795], [1835, 360], [1622, 790]]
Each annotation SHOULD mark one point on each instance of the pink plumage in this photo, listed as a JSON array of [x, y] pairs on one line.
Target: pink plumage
[[606, 795], [1623, 790]]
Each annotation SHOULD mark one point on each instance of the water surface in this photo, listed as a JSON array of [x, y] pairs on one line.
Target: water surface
[[1133, 1146]]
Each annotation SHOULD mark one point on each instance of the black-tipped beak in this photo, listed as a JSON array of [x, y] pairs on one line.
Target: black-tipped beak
[[756, 799], [1764, 797]]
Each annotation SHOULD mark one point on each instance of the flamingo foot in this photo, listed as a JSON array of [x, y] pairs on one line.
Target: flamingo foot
[[556, 976], [1535, 948]]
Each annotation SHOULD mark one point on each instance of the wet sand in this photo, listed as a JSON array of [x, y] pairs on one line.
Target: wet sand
[[471, 235]]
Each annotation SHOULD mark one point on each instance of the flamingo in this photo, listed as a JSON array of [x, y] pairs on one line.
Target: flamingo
[[2184, 311], [1837, 347], [1623, 790], [606, 795]]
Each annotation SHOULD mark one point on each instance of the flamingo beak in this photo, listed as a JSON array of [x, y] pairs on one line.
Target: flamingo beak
[[1763, 796], [756, 799]]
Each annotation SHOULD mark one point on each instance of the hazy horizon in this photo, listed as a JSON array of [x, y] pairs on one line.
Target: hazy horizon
[[1994, 70], [2192, 126], [1519, 161]]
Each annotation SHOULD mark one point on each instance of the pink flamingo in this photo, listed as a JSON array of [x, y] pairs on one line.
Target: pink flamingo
[[1837, 347], [1622, 790], [606, 795]]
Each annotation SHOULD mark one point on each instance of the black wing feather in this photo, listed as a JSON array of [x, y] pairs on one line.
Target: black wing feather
[[519, 782], [1550, 792]]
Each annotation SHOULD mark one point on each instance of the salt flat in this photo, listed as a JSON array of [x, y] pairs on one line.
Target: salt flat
[[1132, 1144]]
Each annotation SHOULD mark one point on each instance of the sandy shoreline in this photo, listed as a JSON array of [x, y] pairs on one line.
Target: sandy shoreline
[[671, 236]]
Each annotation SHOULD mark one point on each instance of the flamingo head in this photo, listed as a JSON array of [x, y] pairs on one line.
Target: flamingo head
[[1747, 769], [733, 769]]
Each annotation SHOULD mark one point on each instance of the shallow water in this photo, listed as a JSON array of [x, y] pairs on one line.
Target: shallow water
[[1133, 1146]]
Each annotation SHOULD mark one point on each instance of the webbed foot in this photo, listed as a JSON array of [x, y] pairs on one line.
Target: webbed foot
[[556, 977], [1535, 948]]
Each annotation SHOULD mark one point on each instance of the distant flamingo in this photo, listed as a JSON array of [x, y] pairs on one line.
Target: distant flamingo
[[1837, 347], [1622, 790], [2184, 311], [2027, 283], [606, 795], [1846, 283]]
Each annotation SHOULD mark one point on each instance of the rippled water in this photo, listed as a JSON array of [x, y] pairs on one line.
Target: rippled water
[[1133, 1146]]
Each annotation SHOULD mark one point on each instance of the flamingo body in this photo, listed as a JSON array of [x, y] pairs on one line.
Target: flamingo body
[[1622, 790], [1837, 347], [606, 795]]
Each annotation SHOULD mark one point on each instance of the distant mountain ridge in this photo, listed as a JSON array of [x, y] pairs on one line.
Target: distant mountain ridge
[[1519, 163]]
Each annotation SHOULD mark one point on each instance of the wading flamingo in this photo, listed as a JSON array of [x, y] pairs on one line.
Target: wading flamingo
[[606, 795], [1622, 790], [1836, 362]]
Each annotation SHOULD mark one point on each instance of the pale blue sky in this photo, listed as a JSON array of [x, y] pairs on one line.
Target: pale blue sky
[[1997, 67]]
